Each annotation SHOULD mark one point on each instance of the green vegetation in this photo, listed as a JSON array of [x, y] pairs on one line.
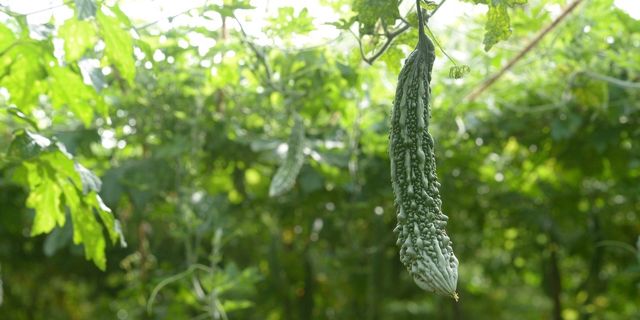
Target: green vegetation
[[215, 171]]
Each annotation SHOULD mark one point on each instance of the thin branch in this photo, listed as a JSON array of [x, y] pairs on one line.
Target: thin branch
[[390, 37], [614, 81], [171, 17], [618, 244], [259, 54], [262, 58], [362, 53], [490, 81], [169, 280], [440, 46]]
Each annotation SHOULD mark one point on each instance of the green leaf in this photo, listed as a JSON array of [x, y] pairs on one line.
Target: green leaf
[[227, 10], [589, 92], [22, 70], [6, 37], [126, 22], [428, 5], [498, 26], [287, 22], [56, 183], [27, 145], [64, 166], [79, 36], [118, 45], [90, 182], [16, 112], [457, 72], [371, 11], [113, 228], [44, 198], [67, 89], [232, 305], [86, 9], [87, 230]]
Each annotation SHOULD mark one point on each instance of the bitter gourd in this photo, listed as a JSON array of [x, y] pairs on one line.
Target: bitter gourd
[[285, 177], [425, 249]]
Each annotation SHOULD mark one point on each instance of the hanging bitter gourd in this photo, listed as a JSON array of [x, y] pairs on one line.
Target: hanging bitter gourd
[[425, 248], [285, 177]]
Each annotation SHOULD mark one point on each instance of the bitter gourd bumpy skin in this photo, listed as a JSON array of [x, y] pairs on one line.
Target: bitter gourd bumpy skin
[[425, 249]]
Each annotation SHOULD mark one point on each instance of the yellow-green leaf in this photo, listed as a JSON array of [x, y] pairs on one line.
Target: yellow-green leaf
[[118, 45], [87, 230], [45, 200], [498, 25], [79, 36], [6, 37], [67, 89]]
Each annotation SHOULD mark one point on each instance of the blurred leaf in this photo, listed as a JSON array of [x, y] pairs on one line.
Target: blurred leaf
[[458, 72], [79, 36], [118, 45], [63, 165], [90, 182], [44, 198], [233, 305], [372, 11], [564, 128], [22, 70], [227, 9], [87, 230], [20, 115], [68, 89], [590, 92], [55, 183], [288, 23], [85, 9], [428, 5], [344, 24], [6, 37], [27, 145]]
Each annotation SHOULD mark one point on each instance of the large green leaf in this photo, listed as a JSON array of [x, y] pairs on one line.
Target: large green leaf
[[6, 37], [22, 70], [118, 45], [498, 26], [67, 89], [44, 198], [57, 183], [79, 36], [87, 230], [372, 11]]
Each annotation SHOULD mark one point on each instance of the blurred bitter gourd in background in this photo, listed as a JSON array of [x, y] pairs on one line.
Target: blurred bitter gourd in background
[[425, 249], [285, 177]]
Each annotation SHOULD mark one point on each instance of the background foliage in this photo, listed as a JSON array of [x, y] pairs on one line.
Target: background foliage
[[152, 156]]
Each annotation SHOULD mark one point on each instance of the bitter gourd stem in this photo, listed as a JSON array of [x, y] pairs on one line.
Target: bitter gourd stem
[[422, 36]]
